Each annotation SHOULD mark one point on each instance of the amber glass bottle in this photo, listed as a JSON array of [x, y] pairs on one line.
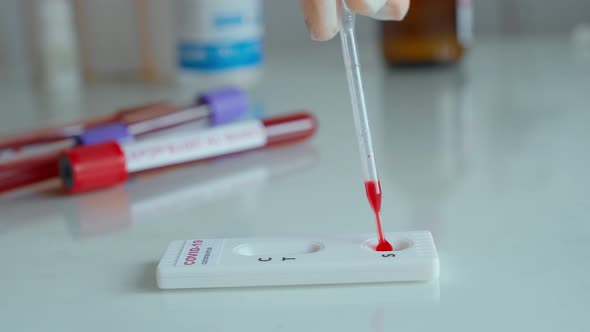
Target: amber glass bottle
[[433, 32]]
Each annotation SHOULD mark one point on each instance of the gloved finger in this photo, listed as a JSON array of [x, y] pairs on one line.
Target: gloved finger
[[365, 7], [392, 10], [321, 18]]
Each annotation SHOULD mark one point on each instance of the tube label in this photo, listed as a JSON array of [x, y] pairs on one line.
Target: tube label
[[165, 151]]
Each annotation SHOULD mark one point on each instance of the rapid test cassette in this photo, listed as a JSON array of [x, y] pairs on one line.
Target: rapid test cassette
[[213, 263]]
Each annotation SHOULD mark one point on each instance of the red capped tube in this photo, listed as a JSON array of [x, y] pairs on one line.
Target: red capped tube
[[88, 168]]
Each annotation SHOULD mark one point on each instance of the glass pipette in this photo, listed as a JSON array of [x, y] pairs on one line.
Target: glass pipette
[[355, 86]]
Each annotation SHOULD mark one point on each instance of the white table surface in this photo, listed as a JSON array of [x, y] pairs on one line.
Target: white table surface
[[492, 157]]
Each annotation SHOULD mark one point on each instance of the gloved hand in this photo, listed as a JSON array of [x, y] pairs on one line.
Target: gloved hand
[[321, 16]]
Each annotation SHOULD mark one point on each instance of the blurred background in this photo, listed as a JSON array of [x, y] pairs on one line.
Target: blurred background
[[68, 59], [62, 60], [118, 36]]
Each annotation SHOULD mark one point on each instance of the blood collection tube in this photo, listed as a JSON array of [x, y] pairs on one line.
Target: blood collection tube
[[21, 173], [92, 167], [218, 106]]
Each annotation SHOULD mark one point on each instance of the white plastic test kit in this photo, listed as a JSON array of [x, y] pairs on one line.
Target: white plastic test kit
[[212, 263]]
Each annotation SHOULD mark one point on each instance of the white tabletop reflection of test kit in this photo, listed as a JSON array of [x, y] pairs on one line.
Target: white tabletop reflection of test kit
[[489, 157]]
